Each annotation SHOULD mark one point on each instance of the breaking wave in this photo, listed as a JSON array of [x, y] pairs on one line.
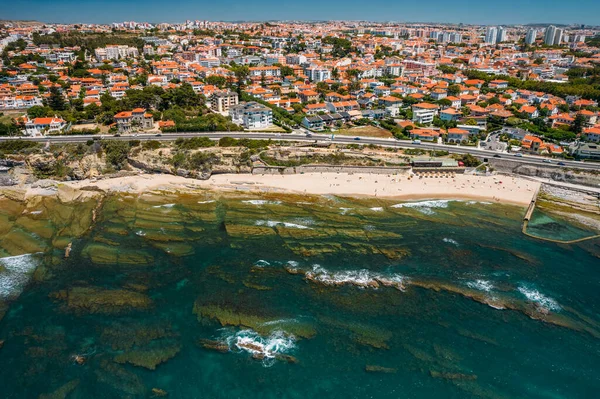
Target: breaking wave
[[164, 206], [361, 278], [261, 202], [450, 241], [377, 209], [261, 263], [268, 349], [425, 207], [206, 202], [17, 271], [542, 300], [273, 223], [480, 285]]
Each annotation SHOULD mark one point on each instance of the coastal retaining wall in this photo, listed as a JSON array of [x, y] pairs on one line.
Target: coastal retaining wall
[[381, 170], [560, 174]]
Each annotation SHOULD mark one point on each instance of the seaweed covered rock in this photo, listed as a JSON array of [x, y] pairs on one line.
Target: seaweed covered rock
[[151, 356], [61, 392], [100, 300], [259, 323]]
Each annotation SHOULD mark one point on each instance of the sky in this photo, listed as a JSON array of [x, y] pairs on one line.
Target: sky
[[456, 11]]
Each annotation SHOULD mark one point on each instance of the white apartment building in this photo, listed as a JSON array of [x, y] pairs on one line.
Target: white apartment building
[[531, 36], [318, 74], [424, 112], [491, 35], [115, 53], [252, 115]]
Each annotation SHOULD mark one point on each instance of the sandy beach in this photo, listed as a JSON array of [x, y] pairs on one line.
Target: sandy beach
[[501, 189]]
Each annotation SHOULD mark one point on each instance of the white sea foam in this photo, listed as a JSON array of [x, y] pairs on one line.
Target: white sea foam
[[277, 343], [262, 263], [206, 202], [345, 210], [140, 233], [481, 285], [280, 321], [167, 206], [273, 223], [535, 296], [425, 207], [478, 202], [17, 271], [450, 241], [377, 209], [292, 263], [261, 202], [35, 212], [362, 278]]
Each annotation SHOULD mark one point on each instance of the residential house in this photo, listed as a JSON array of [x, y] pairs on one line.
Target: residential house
[[530, 111], [131, 120], [450, 114], [498, 84], [343, 106], [592, 134], [313, 109], [457, 135], [313, 122], [42, 126], [531, 144], [308, 96], [425, 134]]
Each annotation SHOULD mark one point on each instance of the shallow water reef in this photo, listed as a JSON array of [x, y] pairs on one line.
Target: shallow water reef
[[220, 294]]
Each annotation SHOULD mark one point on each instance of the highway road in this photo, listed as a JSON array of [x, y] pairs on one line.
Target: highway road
[[302, 137]]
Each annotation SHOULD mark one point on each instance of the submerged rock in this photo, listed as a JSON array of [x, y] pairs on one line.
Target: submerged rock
[[149, 357], [218, 346], [61, 392], [452, 376], [120, 378], [100, 300], [125, 336], [380, 369], [159, 393]]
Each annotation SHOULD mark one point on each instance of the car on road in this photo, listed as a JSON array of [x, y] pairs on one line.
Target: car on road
[[158, 135], [117, 135], [308, 134], [519, 155], [547, 161], [416, 141], [561, 164], [497, 156], [357, 138]]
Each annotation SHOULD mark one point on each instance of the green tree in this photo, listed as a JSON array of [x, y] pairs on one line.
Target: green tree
[[56, 101], [241, 72]]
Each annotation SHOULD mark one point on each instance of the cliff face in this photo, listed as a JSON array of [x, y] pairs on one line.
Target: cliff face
[[556, 173]]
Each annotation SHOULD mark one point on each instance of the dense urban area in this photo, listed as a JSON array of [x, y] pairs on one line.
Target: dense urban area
[[515, 90]]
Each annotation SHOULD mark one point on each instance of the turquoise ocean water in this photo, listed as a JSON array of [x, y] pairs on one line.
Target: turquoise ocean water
[[291, 297]]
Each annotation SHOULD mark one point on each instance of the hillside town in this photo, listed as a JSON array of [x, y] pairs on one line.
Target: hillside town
[[514, 89]]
